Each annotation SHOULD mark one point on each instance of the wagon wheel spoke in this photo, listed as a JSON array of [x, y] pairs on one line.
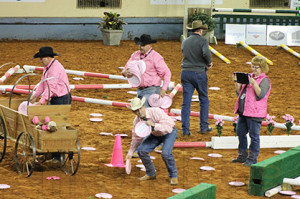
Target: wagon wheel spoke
[[3, 139], [25, 154]]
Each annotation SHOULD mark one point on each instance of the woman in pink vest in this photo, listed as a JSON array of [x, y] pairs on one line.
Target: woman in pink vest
[[251, 106]]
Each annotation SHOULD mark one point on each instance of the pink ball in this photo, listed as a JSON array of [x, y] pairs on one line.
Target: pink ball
[[35, 120], [46, 120]]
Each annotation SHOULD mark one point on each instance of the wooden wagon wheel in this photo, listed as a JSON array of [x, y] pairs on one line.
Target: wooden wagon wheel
[[70, 161], [25, 154], [3, 138]]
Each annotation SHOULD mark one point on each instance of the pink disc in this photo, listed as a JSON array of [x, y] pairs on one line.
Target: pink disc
[[132, 92], [78, 78], [104, 133], [296, 196], [166, 101], [87, 148], [134, 81], [121, 67], [143, 169], [23, 107], [288, 193], [49, 178], [154, 100], [279, 151], [4, 186], [95, 119], [248, 62], [195, 100], [214, 88], [178, 190], [142, 129], [128, 166], [141, 166], [139, 161], [236, 183], [178, 118], [195, 96], [197, 158], [158, 151], [215, 155], [103, 195], [96, 114], [207, 168]]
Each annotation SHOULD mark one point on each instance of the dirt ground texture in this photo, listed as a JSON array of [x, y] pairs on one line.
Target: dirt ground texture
[[93, 177]]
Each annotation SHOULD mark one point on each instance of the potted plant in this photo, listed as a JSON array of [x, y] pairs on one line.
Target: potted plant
[[211, 23], [111, 26]]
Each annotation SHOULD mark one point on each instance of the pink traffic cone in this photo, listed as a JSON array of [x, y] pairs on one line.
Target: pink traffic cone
[[117, 156]]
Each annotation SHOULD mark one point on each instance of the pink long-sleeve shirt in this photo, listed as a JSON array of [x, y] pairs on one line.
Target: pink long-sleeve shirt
[[59, 85], [163, 125], [156, 69]]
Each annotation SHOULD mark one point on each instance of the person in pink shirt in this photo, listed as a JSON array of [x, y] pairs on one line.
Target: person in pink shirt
[[163, 131], [156, 69], [57, 83]]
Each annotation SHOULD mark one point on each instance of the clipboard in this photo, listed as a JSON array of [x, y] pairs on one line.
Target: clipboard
[[242, 78]]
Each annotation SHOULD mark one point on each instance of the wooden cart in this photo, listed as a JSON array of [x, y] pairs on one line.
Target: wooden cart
[[31, 142]]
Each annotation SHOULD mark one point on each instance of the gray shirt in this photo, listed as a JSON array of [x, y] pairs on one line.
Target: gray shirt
[[196, 54]]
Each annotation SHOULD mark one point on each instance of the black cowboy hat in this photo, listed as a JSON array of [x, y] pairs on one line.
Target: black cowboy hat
[[45, 51], [144, 40]]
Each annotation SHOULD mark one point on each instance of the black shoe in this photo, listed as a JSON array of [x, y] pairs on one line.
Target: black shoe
[[206, 131], [238, 160], [186, 135], [247, 164]]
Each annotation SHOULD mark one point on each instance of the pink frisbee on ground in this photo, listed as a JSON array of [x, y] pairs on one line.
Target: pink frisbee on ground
[[287, 193], [166, 101], [279, 151], [104, 133], [78, 78], [4, 186], [128, 166], [96, 114], [87, 148], [197, 158], [158, 151], [23, 107], [95, 119], [236, 183], [154, 100], [296, 196], [132, 92], [215, 155], [103, 195], [214, 88], [178, 190], [141, 166], [142, 129], [207, 168]]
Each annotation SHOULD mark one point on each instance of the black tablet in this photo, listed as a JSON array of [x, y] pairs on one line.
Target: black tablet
[[242, 78]]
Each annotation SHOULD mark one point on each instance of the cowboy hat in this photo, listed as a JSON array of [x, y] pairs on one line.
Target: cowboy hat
[[136, 103], [45, 51], [196, 25], [144, 40]]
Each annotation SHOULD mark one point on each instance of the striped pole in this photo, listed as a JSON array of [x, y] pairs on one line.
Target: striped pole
[[219, 55], [255, 52], [230, 119], [192, 144], [9, 73], [290, 50], [255, 10], [80, 73], [175, 90], [79, 86]]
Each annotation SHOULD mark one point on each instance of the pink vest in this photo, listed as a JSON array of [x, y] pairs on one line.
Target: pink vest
[[253, 107]]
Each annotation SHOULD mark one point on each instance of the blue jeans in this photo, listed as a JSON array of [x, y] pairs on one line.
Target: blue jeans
[[245, 125], [190, 81], [146, 92], [66, 99], [148, 145]]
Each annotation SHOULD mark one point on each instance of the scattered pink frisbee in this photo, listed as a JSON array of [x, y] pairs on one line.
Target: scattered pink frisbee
[[96, 114], [4, 186], [214, 88], [95, 119], [104, 133], [87, 148], [279, 151], [195, 100], [53, 178], [197, 158], [207, 168], [139, 161], [248, 62], [178, 190], [134, 81], [142, 129], [128, 166], [154, 100], [296, 196], [158, 151], [141, 166], [103, 195], [23, 107], [236, 183], [132, 92], [215, 155], [287, 193], [166, 101], [143, 169], [78, 78]]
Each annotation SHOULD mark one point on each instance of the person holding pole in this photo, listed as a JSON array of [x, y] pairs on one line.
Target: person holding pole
[[196, 61], [156, 69], [251, 105]]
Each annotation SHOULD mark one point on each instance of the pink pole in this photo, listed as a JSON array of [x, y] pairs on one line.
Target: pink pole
[[191, 144], [9, 73], [79, 86], [175, 90]]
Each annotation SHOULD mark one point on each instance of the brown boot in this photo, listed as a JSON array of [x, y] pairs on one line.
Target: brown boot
[[174, 181], [146, 177]]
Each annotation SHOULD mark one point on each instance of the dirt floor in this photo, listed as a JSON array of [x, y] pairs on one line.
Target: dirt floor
[[93, 177]]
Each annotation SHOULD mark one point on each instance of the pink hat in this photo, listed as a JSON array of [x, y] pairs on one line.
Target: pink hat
[[142, 129]]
